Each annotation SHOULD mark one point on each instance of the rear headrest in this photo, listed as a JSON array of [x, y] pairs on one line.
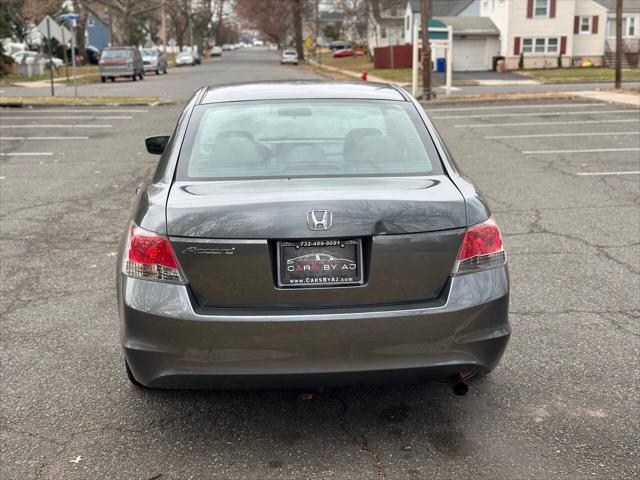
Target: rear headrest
[[378, 153], [354, 136], [230, 151]]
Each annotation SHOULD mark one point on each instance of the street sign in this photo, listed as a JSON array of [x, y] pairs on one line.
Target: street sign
[[61, 34], [308, 42], [69, 16]]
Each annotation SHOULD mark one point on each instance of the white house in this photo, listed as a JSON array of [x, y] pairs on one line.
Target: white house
[[440, 8], [546, 32], [475, 39], [387, 29]]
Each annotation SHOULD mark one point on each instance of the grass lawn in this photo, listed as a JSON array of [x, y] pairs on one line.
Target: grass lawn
[[60, 73], [396, 75], [580, 75], [79, 101]]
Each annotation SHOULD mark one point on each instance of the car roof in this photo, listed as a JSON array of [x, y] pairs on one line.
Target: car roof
[[290, 90]]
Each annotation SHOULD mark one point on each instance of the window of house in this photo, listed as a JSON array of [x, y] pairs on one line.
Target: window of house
[[631, 27], [628, 27], [541, 45], [91, 22], [585, 25], [383, 32], [541, 8], [406, 22]]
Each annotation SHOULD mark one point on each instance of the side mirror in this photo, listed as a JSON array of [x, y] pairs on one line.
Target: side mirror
[[156, 145]]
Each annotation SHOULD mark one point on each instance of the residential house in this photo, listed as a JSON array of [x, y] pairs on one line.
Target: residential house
[[630, 31], [387, 29], [96, 32], [440, 8], [475, 39], [549, 33]]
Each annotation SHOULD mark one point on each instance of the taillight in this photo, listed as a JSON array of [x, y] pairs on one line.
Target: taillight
[[150, 256], [481, 249]]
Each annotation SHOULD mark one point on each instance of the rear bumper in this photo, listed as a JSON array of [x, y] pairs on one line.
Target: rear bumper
[[169, 344], [117, 71]]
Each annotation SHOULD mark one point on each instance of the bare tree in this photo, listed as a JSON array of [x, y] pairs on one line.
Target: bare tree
[[23, 14], [129, 17], [297, 26], [273, 18]]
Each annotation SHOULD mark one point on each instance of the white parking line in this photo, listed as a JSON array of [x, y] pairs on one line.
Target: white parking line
[[26, 154], [545, 135], [526, 124], [71, 117], [44, 138], [536, 114], [631, 172], [509, 107], [55, 126], [591, 150], [74, 110]]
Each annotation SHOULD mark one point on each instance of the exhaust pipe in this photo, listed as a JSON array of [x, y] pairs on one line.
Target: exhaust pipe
[[458, 385]]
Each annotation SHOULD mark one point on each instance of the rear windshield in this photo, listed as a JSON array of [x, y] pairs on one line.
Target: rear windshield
[[306, 138], [289, 52], [116, 54]]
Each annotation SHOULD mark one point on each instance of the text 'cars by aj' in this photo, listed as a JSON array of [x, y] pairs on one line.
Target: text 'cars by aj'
[[309, 234]]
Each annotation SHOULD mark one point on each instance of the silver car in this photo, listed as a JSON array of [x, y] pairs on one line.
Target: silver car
[[309, 234], [289, 57], [154, 60]]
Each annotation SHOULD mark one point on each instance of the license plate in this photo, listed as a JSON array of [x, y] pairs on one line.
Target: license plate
[[317, 263]]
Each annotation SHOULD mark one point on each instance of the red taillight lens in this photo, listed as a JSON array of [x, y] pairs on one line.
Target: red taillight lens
[[149, 255], [481, 248]]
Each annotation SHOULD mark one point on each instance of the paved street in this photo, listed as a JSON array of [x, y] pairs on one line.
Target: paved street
[[181, 82], [562, 179]]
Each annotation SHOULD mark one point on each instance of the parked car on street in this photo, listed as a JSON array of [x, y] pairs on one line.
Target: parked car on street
[[121, 62], [28, 57], [347, 52], [154, 60], [185, 58], [197, 57], [289, 57], [227, 47], [337, 45], [309, 234], [216, 52]]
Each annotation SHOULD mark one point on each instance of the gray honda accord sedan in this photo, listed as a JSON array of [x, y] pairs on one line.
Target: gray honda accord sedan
[[309, 234]]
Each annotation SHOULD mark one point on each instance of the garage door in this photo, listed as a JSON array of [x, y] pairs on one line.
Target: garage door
[[469, 55]]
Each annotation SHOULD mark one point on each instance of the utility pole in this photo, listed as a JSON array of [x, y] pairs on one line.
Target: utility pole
[[318, 56], [426, 9], [50, 55], [163, 29], [618, 44], [110, 23]]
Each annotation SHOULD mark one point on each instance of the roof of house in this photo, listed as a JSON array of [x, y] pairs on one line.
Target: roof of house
[[628, 6], [471, 25], [444, 8]]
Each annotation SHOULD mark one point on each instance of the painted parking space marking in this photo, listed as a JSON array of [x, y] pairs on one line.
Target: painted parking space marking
[[26, 154], [43, 138], [550, 135], [56, 126], [536, 114], [590, 150], [70, 117], [513, 107], [527, 124], [74, 110], [587, 174]]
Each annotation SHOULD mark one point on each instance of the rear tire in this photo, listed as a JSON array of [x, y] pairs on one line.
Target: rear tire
[[134, 78], [158, 72], [131, 378], [142, 75], [103, 79]]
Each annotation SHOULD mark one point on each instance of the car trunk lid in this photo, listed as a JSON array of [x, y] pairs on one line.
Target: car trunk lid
[[226, 235]]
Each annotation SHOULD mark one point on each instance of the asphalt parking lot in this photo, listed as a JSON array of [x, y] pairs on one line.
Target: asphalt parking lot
[[562, 179]]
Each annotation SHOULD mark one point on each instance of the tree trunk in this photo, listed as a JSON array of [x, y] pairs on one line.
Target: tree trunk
[[81, 26], [297, 26], [618, 44]]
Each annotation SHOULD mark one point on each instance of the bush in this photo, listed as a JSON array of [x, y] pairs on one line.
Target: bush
[[521, 62]]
